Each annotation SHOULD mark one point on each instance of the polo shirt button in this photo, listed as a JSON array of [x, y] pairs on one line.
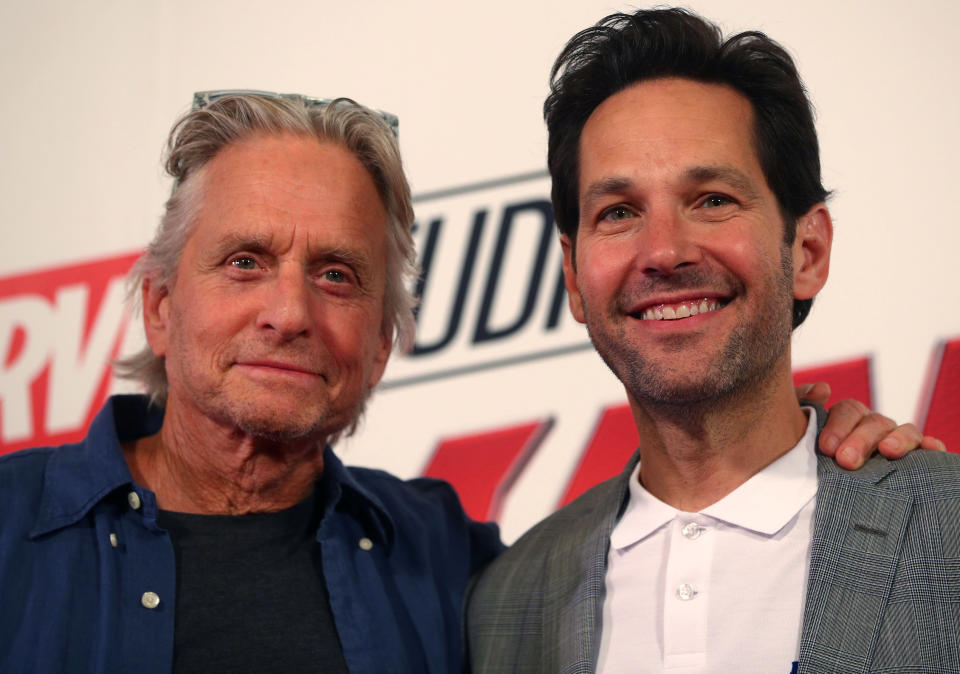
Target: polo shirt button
[[365, 544], [686, 592], [150, 600], [691, 530], [134, 500]]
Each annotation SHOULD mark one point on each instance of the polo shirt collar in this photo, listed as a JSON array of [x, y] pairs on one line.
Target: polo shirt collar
[[770, 499], [783, 488]]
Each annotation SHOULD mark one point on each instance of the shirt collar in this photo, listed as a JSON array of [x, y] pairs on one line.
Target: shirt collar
[[781, 489], [78, 476], [338, 483], [644, 514], [81, 475], [784, 487]]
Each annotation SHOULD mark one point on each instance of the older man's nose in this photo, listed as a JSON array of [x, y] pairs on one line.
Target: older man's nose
[[286, 306]]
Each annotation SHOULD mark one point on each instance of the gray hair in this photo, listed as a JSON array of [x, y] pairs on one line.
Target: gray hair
[[197, 137]]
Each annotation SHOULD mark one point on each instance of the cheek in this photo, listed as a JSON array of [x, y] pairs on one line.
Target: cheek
[[351, 336], [745, 254], [602, 269], [206, 331]]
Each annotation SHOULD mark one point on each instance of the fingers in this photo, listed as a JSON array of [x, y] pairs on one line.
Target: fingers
[[818, 392], [930, 442], [900, 441], [853, 432], [843, 418]]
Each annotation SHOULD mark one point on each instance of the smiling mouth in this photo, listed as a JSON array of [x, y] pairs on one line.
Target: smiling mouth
[[677, 310]]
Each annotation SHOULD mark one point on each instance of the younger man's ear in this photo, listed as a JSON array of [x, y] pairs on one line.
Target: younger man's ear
[[811, 252], [570, 278]]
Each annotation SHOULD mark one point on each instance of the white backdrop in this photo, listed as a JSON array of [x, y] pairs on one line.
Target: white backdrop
[[91, 88]]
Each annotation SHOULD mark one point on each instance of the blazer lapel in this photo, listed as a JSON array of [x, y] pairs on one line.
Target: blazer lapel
[[857, 537], [573, 603]]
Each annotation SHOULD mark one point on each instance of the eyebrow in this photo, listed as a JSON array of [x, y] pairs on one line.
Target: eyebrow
[[344, 255], [697, 174], [605, 187], [234, 241], [260, 243], [726, 174]]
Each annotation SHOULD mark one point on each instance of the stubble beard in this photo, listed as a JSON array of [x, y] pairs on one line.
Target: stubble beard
[[744, 362], [283, 426], [324, 421], [241, 406]]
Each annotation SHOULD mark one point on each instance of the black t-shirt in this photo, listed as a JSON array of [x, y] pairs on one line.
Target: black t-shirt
[[251, 595]]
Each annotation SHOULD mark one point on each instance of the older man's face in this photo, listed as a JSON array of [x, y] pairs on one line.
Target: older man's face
[[273, 326]]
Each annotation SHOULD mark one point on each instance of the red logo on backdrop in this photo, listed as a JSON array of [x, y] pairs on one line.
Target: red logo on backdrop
[[614, 438], [59, 330]]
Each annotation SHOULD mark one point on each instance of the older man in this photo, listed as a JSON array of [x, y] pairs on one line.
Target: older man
[[686, 185], [210, 527], [211, 530]]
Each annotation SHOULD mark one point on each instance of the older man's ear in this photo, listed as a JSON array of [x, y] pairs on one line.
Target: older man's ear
[[156, 315]]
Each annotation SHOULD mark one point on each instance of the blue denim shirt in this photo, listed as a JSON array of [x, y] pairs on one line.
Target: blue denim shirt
[[87, 577]]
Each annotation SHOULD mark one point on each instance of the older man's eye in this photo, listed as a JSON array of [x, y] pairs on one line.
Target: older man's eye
[[334, 276], [244, 263]]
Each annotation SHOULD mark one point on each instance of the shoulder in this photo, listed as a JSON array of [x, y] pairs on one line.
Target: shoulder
[[22, 475], [925, 474], [598, 505], [922, 460], [918, 468], [927, 479], [428, 508], [26, 460], [423, 496], [578, 531]]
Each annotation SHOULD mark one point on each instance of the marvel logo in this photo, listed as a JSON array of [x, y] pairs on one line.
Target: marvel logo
[[59, 330]]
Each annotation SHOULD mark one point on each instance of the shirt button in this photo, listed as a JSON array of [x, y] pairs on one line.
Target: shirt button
[[150, 600], [113, 540], [134, 500], [686, 592], [365, 544], [691, 530]]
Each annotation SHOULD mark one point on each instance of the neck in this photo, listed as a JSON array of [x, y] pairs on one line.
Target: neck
[[198, 465], [694, 455]]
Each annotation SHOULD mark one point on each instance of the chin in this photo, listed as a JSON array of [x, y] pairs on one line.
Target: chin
[[270, 419], [284, 425], [682, 394], [278, 428]]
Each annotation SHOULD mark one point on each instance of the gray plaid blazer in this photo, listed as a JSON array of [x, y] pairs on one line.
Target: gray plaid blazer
[[883, 591]]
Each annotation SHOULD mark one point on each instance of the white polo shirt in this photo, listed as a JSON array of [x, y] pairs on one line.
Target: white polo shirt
[[721, 590]]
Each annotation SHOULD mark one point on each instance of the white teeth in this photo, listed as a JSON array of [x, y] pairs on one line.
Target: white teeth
[[672, 312]]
